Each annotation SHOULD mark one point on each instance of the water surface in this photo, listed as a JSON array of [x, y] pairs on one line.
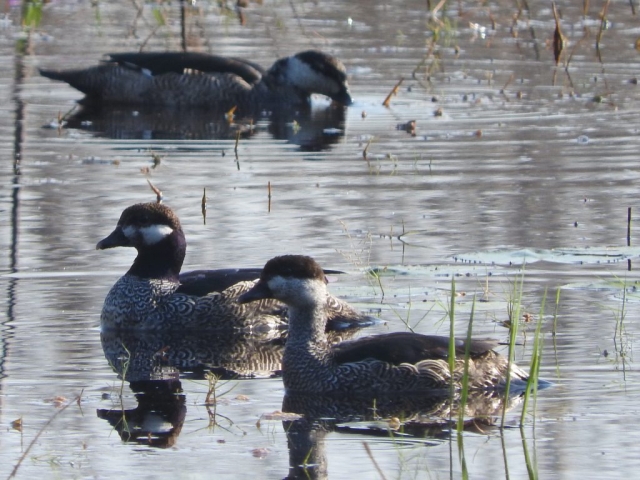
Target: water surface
[[510, 154]]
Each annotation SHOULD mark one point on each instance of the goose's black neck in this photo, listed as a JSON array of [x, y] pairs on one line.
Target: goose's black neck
[[162, 260]]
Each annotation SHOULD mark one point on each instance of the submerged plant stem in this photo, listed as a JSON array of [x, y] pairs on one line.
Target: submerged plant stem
[[375, 464], [35, 439]]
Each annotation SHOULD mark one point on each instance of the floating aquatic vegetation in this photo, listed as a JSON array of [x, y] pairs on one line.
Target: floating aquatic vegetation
[[436, 271], [571, 255]]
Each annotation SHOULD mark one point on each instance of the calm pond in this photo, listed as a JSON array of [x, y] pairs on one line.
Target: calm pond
[[517, 168]]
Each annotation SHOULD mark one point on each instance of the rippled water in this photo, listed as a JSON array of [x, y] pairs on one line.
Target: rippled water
[[511, 157]]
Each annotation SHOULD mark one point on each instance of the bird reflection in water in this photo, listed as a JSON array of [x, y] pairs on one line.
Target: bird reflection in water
[[427, 419], [157, 420], [153, 364], [313, 129]]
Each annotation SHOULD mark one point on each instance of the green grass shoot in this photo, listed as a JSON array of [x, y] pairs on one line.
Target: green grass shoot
[[452, 339], [534, 367], [515, 303], [464, 393]]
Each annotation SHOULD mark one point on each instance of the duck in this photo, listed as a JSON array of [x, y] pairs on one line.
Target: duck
[[152, 297], [393, 363], [198, 80]]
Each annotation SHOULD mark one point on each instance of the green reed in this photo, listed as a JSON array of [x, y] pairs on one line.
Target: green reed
[[32, 13], [461, 456], [619, 335], [464, 391], [530, 463], [464, 394], [534, 366], [125, 363], [515, 304], [555, 313], [452, 339]]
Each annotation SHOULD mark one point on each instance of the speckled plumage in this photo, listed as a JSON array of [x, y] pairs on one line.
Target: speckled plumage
[[208, 81], [152, 304], [147, 297], [393, 363]]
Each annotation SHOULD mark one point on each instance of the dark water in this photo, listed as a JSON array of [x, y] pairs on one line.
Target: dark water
[[520, 157]]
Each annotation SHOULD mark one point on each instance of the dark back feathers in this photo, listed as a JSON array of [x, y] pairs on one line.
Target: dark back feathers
[[405, 347], [177, 62]]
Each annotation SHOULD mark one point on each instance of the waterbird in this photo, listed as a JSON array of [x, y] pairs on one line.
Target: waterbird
[[400, 362], [198, 80], [154, 296]]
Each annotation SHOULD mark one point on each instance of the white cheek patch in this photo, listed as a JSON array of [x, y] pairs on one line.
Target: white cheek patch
[[150, 235], [305, 77], [154, 233]]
